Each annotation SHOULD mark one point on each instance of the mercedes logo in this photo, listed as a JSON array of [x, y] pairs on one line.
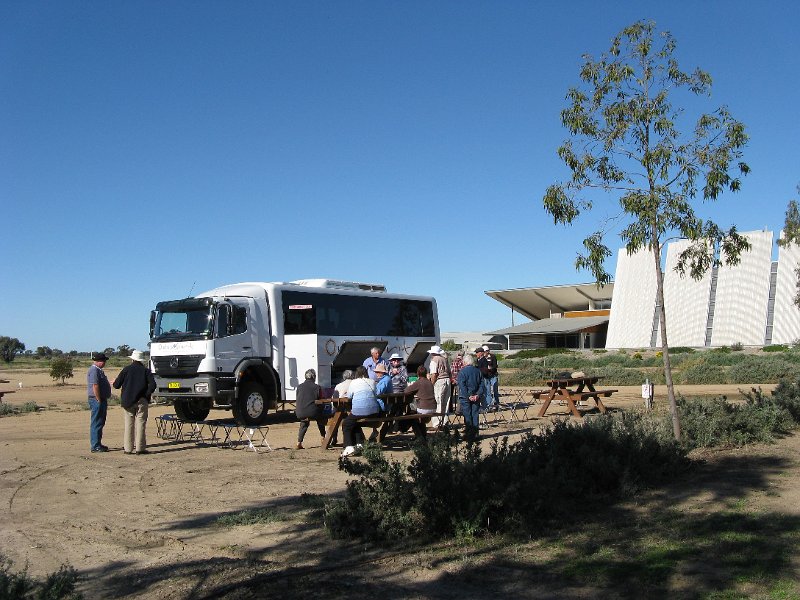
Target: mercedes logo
[[173, 362]]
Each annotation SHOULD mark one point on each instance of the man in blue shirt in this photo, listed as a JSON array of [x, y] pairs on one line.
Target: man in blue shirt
[[373, 361], [471, 390], [98, 389]]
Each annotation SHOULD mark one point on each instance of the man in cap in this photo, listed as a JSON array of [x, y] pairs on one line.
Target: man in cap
[[137, 385], [482, 364], [398, 373], [492, 392], [99, 391], [439, 374]]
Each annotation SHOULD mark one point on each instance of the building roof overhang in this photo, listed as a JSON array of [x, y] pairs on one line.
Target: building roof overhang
[[541, 302], [553, 326]]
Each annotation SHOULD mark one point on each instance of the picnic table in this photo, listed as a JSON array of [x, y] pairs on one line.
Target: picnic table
[[397, 409], [571, 388]]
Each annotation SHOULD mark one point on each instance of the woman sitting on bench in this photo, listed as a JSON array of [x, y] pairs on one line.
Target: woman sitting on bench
[[424, 402], [364, 404]]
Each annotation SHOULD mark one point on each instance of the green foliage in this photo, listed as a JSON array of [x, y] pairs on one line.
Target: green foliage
[[702, 372], [59, 585], [451, 488], [256, 516], [9, 348], [450, 346], [737, 347], [711, 422], [61, 368], [28, 407], [776, 348], [765, 369], [681, 350], [6, 409], [539, 352]]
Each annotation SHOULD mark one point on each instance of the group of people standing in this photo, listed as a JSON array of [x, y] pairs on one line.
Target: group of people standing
[[137, 384], [469, 381]]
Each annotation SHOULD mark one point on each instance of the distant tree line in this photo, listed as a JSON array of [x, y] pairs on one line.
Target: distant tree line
[[10, 347]]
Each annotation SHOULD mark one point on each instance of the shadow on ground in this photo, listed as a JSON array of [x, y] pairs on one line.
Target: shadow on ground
[[692, 539]]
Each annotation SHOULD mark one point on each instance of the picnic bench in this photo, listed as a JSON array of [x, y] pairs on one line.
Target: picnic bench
[[3, 392], [571, 389]]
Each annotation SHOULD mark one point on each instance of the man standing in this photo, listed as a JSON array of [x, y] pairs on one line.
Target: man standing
[[455, 367], [470, 392], [439, 374], [137, 385], [99, 391], [373, 361], [492, 395]]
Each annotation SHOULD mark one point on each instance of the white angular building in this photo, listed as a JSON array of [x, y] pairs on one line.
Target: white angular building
[[751, 304]]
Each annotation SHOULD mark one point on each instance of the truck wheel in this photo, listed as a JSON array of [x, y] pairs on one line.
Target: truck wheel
[[250, 407], [186, 410]]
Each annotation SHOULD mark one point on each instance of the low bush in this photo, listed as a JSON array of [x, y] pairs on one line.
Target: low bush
[[707, 422], [776, 348], [28, 407], [450, 487], [59, 585], [681, 350], [701, 372], [539, 352], [6, 409], [256, 516], [764, 369]]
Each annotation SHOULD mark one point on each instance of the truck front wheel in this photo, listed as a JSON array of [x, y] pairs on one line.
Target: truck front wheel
[[250, 407], [186, 410]]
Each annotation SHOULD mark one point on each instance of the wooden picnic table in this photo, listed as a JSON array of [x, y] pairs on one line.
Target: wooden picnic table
[[571, 388], [4, 392], [396, 406]]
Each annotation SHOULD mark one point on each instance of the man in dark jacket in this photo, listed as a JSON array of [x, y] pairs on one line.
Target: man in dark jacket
[[306, 407], [137, 385], [470, 393]]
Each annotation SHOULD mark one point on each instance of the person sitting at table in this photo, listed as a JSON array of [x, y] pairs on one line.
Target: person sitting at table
[[398, 373], [424, 401], [306, 407], [384, 381], [364, 404], [340, 391]]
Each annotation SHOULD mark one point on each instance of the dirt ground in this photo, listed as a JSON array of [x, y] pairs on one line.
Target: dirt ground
[[144, 526]]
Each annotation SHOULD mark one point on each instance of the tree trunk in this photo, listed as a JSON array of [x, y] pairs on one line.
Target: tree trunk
[[662, 324]]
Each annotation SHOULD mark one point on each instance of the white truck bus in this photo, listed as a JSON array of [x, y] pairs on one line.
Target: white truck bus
[[246, 347]]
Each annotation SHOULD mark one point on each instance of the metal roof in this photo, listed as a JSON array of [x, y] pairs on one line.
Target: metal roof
[[541, 302], [548, 326]]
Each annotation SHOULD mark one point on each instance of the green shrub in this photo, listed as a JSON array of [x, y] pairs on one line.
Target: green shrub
[[28, 407], [787, 395], [764, 369], [702, 372], [450, 346], [599, 351], [59, 585], [450, 488], [531, 374], [737, 347], [681, 350], [539, 352], [115, 400], [776, 348], [257, 516], [6, 409], [707, 422]]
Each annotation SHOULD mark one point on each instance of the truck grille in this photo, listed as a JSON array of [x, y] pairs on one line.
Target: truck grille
[[177, 366]]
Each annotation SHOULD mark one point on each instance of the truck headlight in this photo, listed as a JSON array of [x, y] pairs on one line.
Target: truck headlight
[[201, 388]]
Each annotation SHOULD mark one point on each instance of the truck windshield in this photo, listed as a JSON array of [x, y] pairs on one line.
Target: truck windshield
[[188, 324]]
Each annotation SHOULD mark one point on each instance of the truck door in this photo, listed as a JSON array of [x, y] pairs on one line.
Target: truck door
[[234, 334]]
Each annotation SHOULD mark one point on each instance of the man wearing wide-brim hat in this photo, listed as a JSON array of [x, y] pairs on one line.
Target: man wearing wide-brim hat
[[439, 374], [137, 385]]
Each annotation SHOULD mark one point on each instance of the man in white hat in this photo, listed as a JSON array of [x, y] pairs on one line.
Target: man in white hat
[[398, 373], [439, 374], [137, 385]]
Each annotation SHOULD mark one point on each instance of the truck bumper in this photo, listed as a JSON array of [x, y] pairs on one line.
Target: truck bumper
[[201, 387]]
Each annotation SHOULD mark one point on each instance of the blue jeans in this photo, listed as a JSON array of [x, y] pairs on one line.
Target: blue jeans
[[470, 412], [99, 410], [492, 396]]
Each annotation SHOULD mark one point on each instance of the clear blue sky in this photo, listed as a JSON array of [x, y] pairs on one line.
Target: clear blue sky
[[152, 148]]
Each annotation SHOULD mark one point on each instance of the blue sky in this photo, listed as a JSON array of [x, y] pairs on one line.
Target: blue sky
[[152, 148]]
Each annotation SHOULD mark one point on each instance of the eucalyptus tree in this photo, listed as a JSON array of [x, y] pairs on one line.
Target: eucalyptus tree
[[632, 143], [791, 235]]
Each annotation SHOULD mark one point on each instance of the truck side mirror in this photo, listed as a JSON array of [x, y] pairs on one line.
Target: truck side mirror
[[152, 322]]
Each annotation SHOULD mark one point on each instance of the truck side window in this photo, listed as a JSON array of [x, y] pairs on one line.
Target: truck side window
[[239, 319], [222, 320]]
